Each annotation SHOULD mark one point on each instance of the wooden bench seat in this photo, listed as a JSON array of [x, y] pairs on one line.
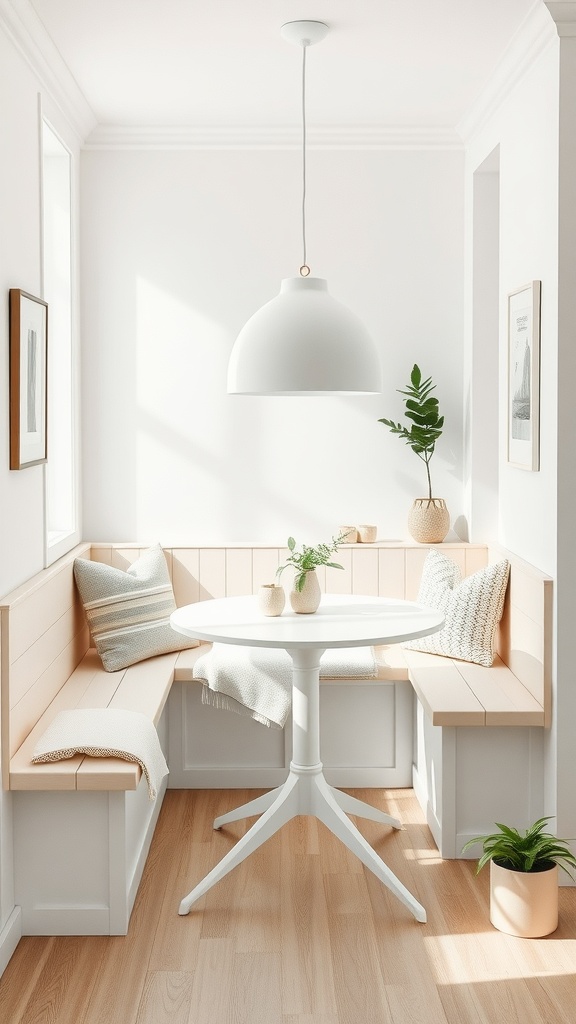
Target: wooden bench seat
[[143, 687], [457, 693]]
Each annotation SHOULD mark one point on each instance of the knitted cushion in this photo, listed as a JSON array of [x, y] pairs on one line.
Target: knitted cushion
[[129, 612], [472, 608]]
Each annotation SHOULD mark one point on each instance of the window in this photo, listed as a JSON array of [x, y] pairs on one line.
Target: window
[[61, 483]]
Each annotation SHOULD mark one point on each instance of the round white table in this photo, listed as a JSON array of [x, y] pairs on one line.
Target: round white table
[[341, 621]]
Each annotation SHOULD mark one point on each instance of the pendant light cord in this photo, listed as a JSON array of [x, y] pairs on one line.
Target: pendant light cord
[[304, 269]]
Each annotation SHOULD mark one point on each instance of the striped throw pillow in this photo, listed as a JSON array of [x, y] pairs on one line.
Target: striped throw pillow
[[472, 608], [129, 611]]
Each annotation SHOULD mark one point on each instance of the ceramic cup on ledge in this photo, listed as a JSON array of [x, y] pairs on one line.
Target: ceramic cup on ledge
[[367, 534], [271, 599], [351, 534]]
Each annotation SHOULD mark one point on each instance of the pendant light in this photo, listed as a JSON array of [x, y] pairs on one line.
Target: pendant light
[[304, 342]]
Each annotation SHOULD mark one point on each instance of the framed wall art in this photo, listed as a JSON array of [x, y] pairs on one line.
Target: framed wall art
[[523, 398], [28, 379]]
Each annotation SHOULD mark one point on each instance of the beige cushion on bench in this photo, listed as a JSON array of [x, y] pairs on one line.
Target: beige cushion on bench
[[129, 611]]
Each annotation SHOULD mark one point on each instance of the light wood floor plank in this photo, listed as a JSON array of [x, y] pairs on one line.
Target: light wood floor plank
[[123, 972], [166, 997], [308, 1018], [259, 899], [213, 995], [299, 933], [256, 984], [20, 980], [358, 984], [307, 978]]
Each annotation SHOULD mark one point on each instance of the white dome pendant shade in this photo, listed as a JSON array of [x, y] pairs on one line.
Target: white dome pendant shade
[[304, 342]]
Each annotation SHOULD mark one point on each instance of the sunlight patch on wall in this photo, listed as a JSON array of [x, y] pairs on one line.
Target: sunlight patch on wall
[[181, 363]]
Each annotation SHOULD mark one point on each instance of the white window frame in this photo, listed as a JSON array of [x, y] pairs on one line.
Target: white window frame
[[58, 542]]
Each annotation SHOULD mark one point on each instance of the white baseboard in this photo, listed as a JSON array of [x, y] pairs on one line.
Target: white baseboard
[[421, 793], [10, 937]]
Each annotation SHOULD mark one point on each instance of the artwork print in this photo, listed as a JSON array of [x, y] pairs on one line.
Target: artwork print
[[524, 376], [28, 379]]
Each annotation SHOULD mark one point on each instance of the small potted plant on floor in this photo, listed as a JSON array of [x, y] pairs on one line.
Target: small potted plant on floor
[[305, 595], [524, 877], [428, 520]]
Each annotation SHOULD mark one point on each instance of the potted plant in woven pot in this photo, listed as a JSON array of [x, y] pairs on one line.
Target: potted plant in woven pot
[[305, 594], [524, 877], [428, 519]]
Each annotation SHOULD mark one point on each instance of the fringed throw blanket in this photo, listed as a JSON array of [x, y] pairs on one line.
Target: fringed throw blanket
[[257, 681], [105, 732]]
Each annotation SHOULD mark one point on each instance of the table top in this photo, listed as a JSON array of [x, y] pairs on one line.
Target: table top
[[342, 620]]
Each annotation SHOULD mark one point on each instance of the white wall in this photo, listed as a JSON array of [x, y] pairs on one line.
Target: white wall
[[21, 491], [525, 128], [537, 242], [178, 250], [566, 453], [21, 507]]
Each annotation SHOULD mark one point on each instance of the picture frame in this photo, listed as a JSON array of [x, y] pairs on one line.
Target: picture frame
[[28, 379], [523, 391]]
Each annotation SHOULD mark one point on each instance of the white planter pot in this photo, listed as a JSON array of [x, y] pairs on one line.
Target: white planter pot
[[524, 903], [307, 600], [428, 520]]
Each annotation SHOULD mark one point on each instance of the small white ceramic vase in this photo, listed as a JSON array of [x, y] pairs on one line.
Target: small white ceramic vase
[[307, 600], [271, 599], [524, 903]]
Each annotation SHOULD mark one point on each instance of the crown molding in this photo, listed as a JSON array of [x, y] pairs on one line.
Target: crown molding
[[23, 27], [532, 38], [333, 137], [563, 14]]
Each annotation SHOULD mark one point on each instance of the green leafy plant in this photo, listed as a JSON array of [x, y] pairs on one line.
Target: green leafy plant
[[308, 558], [532, 850], [426, 426]]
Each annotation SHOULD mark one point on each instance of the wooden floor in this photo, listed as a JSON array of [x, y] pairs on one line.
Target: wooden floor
[[300, 933]]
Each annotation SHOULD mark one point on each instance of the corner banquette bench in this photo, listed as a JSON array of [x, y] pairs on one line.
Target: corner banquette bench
[[82, 827]]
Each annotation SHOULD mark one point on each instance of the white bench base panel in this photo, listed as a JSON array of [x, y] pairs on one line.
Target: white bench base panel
[[79, 856], [366, 739], [467, 778]]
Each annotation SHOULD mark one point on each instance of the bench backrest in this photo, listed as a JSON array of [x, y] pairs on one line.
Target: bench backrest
[[43, 634], [526, 630], [385, 570]]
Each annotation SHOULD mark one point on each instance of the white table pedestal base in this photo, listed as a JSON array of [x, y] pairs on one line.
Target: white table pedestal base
[[306, 792]]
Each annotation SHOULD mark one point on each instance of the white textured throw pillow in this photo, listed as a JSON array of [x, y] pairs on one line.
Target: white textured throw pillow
[[129, 611], [472, 608]]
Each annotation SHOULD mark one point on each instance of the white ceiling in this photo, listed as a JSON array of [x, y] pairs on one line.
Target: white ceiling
[[223, 62]]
